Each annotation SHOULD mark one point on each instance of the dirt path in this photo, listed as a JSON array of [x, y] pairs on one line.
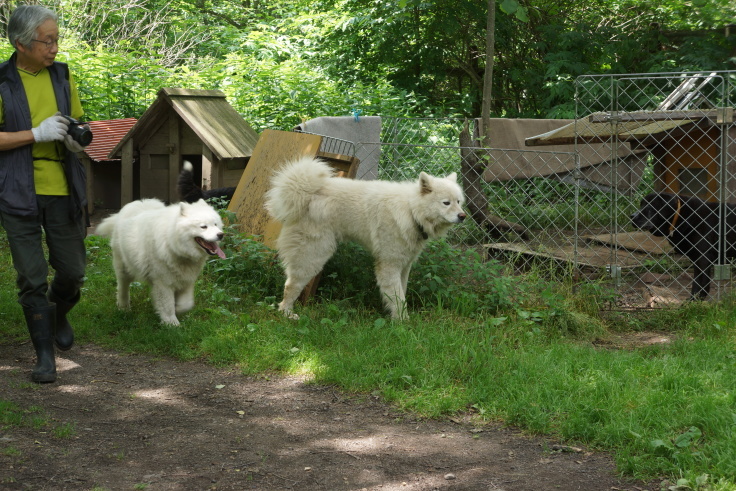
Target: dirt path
[[151, 423]]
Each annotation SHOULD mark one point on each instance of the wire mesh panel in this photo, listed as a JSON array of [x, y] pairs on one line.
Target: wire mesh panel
[[335, 146], [681, 129]]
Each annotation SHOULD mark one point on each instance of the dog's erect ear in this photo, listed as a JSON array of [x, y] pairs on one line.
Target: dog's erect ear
[[452, 177], [425, 183]]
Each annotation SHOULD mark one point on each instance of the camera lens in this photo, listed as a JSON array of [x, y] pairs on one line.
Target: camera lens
[[81, 135]]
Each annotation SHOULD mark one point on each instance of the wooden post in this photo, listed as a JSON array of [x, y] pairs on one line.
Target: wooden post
[[126, 173], [174, 156]]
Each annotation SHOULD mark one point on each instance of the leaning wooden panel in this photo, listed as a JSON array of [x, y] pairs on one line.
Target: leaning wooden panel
[[274, 149]]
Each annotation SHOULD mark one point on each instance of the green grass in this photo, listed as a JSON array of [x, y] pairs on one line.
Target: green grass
[[34, 417], [506, 349]]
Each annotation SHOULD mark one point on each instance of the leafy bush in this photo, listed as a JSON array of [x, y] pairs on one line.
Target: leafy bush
[[461, 281], [250, 269], [349, 276]]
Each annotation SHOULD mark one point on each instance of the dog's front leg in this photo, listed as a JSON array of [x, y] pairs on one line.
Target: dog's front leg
[[389, 279], [184, 301], [702, 273], [405, 278], [292, 289], [165, 304]]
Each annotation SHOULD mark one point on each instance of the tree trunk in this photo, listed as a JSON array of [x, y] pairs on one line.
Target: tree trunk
[[473, 148], [485, 113], [472, 167]]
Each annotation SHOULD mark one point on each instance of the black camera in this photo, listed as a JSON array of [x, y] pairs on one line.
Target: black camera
[[78, 132]]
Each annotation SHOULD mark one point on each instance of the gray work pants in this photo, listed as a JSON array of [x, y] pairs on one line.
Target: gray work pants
[[67, 255]]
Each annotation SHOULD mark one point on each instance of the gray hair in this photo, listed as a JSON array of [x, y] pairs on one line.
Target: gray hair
[[25, 20]]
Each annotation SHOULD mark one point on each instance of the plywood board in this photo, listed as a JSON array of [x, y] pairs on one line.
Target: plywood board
[[273, 150], [591, 256], [634, 241]]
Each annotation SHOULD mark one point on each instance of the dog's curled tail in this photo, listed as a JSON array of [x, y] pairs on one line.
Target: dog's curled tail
[[294, 186], [106, 226], [188, 191]]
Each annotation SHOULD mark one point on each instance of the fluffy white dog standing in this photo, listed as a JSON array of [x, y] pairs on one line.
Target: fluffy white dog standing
[[165, 246], [393, 220]]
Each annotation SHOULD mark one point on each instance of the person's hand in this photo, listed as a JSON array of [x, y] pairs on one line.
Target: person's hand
[[72, 145], [53, 128]]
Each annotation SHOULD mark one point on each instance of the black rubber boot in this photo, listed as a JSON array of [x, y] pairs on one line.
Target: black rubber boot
[[41, 327], [63, 334]]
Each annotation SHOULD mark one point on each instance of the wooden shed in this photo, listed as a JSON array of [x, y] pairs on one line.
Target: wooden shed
[[694, 151], [182, 124]]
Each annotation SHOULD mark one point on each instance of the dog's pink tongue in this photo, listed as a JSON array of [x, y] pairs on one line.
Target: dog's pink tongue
[[219, 251]]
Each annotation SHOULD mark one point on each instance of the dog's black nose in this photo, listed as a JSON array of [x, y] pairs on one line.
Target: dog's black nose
[[461, 216], [220, 236]]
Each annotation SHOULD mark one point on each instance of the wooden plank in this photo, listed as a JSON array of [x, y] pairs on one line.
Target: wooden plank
[[591, 256], [179, 92], [273, 150], [345, 165], [583, 131], [638, 241], [655, 115]]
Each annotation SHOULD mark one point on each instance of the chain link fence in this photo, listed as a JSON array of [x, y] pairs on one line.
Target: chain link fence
[[563, 192]]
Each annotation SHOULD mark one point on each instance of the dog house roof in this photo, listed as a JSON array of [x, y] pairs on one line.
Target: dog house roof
[[642, 127], [107, 133], [222, 129]]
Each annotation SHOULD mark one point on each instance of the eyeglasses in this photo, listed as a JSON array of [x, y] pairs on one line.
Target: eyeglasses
[[49, 44]]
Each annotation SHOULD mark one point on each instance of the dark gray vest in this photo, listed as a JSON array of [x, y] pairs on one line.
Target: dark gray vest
[[17, 190]]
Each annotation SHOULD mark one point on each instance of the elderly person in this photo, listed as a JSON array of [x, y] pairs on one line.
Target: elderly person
[[43, 182]]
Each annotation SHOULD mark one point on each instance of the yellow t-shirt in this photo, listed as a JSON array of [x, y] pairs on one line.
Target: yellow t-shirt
[[48, 171]]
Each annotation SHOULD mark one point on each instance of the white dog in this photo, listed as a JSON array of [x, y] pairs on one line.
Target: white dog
[[393, 220], [165, 246]]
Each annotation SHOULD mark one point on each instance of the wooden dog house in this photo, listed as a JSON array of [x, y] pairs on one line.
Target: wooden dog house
[[182, 124]]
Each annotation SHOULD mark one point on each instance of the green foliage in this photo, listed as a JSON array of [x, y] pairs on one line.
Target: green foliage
[[460, 281], [250, 269], [348, 278], [279, 65]]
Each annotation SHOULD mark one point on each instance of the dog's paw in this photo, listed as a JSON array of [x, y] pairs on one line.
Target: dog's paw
[[170, 321], [290, 315]]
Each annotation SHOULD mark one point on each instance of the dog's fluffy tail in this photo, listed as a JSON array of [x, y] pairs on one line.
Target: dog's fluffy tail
[[106, 226], [294, 186], [188, 191]]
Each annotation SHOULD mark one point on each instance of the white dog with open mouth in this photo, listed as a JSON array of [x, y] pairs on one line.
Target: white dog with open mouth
[[165, 246], [393, 220]]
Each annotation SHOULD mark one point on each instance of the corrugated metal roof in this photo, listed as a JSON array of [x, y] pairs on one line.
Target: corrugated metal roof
[[107, 134], [221, 129]]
